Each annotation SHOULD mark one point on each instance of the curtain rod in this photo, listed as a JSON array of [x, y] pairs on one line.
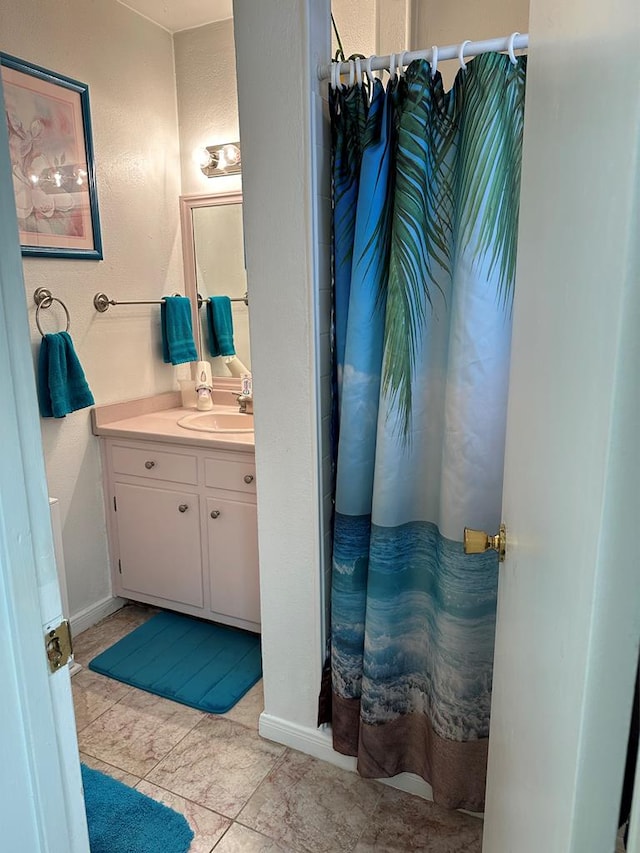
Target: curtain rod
[[450, 51]]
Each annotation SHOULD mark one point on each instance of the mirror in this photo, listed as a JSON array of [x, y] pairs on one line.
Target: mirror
[[213, 253]]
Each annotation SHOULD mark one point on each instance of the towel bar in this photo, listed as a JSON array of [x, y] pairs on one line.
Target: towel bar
[[43, 299], [101, 301], [245, 299]]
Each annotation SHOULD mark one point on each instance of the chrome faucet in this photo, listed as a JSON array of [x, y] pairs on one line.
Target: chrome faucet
[[245, 402]]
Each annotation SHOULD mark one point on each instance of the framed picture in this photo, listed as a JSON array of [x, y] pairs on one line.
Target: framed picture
[[52, 161]]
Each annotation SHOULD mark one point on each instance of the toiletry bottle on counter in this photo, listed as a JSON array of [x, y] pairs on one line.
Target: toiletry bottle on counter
[[204, 386], [247, 385]]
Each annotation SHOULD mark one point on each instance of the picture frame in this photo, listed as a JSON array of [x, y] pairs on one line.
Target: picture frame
[[51, 148]]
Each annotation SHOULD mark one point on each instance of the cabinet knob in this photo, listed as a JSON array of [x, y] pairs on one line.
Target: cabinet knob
[[150, 464], [215, 513], [248, 478], [183, 507]]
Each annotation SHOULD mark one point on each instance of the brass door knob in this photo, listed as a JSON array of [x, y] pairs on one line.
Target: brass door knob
[[183, 507], [477, 542], [150, 464], [248, 478], [215, 513]]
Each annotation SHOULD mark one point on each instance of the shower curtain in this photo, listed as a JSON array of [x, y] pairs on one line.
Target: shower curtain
[[425, 190]]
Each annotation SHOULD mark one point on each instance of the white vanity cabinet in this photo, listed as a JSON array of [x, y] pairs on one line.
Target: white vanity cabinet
[[183, 528], [232, 537]]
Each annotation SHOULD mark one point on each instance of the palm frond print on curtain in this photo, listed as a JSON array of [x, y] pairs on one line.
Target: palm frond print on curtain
[[425, 204]]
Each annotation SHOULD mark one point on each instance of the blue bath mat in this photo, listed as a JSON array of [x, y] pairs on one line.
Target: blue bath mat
[[122, 820], [200, 664]]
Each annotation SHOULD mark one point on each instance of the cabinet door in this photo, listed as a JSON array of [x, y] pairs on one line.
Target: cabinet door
[[232, 532], [159, 539]]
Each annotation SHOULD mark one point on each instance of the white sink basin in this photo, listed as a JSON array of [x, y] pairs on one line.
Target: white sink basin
[[217, 422]]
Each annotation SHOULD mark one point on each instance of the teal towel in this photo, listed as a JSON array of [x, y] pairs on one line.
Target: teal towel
[[178, 346], [220, 326], [62, 387]]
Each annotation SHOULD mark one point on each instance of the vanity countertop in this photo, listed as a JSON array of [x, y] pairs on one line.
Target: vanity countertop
[[156, 419]]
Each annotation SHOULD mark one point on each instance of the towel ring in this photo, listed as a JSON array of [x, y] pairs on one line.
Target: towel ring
[[43, 299]]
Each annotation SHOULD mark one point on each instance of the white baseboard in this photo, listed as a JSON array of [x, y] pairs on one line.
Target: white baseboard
[[317, 742], [93, 614]]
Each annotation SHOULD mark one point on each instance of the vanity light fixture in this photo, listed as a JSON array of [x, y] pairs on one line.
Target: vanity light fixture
[[215, 160]]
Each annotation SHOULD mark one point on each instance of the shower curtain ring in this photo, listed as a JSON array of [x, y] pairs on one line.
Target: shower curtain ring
[[512, 56], [335, 75], [401, 57], [358, 64], [352, 72], [463, 64], [434, 60], [368, 71], [392, 65]]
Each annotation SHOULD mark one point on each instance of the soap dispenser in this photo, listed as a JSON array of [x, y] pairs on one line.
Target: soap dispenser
[[204, 386]]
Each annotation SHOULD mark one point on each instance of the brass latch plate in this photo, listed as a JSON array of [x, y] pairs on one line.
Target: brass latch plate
[[58, 646]]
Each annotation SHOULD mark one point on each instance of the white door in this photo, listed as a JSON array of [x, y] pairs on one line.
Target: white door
[[569, 596], [41, 803]]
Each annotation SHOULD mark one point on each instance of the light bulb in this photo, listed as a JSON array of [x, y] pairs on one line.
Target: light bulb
[[202, 157], [34, 179], [57, 177], [231, 154]]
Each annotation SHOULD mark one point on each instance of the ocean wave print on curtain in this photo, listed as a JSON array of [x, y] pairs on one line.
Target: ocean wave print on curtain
[[425, 191]]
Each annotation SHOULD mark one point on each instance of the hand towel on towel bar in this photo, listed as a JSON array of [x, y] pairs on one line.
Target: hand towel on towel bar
[[62, 387], [178, 345], [220, 326]]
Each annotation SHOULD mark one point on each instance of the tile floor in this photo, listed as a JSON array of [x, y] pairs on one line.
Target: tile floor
[[239, 792]]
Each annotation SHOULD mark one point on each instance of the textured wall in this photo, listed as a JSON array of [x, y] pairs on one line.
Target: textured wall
[[207, 100], [393, 25], [456, 20], [128, 64], [356, 23], [372, 26]]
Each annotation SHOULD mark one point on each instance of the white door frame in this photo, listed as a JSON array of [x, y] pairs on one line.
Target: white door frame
[[41, 804]]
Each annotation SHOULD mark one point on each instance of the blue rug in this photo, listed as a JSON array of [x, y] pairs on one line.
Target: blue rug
[[122, 820], [197, 663]]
